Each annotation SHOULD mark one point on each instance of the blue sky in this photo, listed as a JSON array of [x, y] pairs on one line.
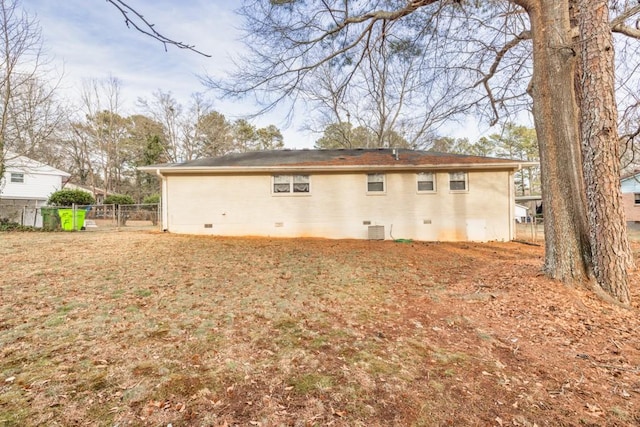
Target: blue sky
[[87, 39]]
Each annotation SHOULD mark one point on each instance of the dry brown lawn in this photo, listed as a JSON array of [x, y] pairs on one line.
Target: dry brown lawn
[[150, 329]]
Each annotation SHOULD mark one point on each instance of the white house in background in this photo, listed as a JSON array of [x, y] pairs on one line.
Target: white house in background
[[521, 213], [342, 194], [26, 186]]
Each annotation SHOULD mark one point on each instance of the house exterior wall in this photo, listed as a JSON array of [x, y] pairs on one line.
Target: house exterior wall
[[630, 187], [338, 206], [36, 186], [631, 210], [631, 184]]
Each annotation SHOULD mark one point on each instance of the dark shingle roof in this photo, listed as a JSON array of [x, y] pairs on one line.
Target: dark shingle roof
[[346, 157]]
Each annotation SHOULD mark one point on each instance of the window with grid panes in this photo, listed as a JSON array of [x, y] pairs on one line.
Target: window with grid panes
[[458, 181], [291, 184], [426, 181], [375, 182]]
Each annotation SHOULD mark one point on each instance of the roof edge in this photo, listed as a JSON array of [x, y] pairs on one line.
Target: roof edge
[[347, 168]]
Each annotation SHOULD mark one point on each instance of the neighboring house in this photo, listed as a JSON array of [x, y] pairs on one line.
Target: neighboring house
[[356, 193], [26, 186], [630, 186], [521, 213]]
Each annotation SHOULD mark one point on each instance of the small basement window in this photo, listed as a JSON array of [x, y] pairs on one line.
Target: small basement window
[[17, 177], [426, 182], [458, 181], [291, 184], [375, 182], [636, 198]]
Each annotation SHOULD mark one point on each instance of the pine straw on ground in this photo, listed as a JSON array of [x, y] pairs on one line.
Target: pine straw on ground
[[150, 329]]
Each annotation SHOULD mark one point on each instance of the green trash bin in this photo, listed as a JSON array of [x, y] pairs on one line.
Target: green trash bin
[[50, 219], [67, 219]]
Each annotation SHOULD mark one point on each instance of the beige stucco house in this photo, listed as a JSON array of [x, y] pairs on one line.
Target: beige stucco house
[[341, 194]]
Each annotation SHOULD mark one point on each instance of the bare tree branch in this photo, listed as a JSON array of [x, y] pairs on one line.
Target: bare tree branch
[[618, 23], [140, 23], [525, 35]]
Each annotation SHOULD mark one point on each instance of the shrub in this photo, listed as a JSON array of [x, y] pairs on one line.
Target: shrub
[[70, 197], [119, 199], [152, 199], [7, 225]]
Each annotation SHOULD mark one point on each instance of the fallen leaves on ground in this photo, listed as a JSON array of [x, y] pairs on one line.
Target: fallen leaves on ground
[[144, 328]]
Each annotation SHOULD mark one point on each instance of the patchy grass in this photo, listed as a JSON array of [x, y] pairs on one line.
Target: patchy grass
[[150, 329]]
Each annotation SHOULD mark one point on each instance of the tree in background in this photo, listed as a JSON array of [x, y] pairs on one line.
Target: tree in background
[[446, 144], [214, 135], [197, 130], [344, 135], [163, 108], [145, 139], [104, 130], [269, 138], [29, 113], [519, 142]]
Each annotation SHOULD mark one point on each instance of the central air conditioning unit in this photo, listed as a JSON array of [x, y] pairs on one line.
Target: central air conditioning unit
[[376, 232]]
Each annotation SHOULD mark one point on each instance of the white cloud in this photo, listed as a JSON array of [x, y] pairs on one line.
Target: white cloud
[[92, 41]]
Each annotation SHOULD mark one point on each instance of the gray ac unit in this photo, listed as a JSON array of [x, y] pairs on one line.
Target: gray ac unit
[[376, 232]]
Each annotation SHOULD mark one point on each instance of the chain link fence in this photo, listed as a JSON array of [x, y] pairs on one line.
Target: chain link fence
[[83, 217], [21, 214]]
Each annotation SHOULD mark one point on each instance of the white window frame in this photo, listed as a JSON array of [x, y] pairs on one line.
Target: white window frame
[[432, 180], [636, 199], [383, 181], [295, 185], [466, 182], [17, 178]]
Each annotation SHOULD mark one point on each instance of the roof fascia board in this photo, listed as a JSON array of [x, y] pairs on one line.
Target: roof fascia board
[[346, 168]]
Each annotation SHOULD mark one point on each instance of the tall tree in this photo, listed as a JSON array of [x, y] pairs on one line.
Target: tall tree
[[105, 128], [519, 142], [501, 49], [214, 132], [600, 148], [166, 110], [269, 138], [145, 139], [445, 144], [29, 113], [197, 130], [244, 135], [344, 135]]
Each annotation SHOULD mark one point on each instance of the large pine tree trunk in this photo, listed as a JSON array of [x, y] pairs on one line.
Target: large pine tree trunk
[[601, 167], [568, 252]]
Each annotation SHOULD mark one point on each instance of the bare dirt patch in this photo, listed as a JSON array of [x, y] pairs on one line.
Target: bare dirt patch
[[151, 329]]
